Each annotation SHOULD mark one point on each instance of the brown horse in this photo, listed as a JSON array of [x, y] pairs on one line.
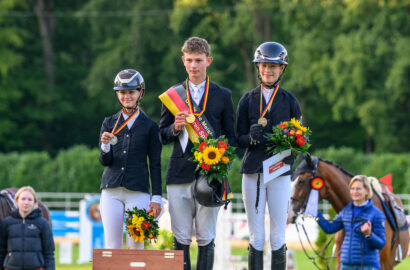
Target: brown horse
[[6, 204], [336, 191]]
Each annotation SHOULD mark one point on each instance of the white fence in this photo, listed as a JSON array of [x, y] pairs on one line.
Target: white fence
[[71, 201]]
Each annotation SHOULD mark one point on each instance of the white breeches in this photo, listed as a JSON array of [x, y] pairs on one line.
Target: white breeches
[[276, 195], [113, 203], [185, 212]]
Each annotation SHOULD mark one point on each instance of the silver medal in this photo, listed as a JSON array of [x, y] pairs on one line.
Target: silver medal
[[113, 140]]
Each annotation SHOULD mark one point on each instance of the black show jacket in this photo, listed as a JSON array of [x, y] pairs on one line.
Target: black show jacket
[[284, 107], [126, 163]]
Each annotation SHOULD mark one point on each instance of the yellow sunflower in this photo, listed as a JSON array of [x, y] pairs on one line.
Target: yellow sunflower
[[136, 233], [211, 155]]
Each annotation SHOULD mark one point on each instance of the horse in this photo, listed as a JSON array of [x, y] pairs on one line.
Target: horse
[[7, 204], [336, 191]]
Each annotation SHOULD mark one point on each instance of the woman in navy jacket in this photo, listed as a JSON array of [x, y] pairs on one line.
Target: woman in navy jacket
[[26, 239], [364, 228], [129, 139]]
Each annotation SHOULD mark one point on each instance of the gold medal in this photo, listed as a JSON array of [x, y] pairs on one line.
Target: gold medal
[[262, 121], [190, 119]]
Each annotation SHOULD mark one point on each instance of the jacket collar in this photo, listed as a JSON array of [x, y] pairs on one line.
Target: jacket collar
[[33, 214]]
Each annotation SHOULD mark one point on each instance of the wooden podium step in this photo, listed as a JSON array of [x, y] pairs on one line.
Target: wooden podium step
[[124, 259]]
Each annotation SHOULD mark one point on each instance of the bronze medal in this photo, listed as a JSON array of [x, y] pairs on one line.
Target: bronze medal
[[262, 121], [190, 119], [113, 140]]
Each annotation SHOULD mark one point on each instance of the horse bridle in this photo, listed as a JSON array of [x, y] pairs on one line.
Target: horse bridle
[[313, 164]]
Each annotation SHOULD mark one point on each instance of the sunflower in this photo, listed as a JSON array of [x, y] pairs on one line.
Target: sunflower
[[136, 233], [211, 155]]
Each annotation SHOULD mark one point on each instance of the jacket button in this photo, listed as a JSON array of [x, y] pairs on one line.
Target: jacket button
[[122, 168], [127, 135], [124, 151]]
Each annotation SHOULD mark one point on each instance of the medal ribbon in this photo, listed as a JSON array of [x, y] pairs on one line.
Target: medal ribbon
[[270, 101], [205, 99], [125, 123], [176, 100]]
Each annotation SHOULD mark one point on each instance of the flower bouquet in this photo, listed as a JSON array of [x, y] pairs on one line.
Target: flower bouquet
[[289, 135], [141, 225], [213, 157]]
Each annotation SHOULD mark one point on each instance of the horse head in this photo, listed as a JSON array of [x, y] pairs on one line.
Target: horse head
[[305, 172]]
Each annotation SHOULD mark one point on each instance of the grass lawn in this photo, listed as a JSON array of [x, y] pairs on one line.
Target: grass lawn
[[302, 262]]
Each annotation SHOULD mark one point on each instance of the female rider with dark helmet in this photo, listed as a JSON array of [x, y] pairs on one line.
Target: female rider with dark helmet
[[258, 111], [127, 140]]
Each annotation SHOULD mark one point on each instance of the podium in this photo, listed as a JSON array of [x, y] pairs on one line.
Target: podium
[[133, 259]]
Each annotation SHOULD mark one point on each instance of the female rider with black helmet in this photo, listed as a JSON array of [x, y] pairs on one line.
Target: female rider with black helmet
[[258, 111], [128, 138]]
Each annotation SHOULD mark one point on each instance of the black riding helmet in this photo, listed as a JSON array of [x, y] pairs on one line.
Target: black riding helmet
[[210, 194], [129, 79], [271, 52]]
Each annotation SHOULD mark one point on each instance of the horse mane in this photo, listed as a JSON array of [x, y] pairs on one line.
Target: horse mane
[[338, 167]]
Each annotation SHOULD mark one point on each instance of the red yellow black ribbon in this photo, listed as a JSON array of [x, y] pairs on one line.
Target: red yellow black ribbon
[[262, 114], [125, 123], [205, 99]]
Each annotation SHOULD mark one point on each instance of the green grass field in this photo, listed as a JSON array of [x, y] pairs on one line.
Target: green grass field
[[302, 262]]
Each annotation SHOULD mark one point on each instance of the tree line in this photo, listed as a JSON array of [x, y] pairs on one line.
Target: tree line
[[349, 63]]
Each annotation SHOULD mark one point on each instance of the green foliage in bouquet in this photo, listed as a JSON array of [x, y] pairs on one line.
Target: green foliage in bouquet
[[141, 225], [289, 135], [213, 157]]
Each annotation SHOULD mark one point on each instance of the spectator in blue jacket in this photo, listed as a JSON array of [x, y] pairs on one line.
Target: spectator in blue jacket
[[364, 228], [26, 239]]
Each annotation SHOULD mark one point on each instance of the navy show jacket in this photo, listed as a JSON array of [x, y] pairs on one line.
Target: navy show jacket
[[126, 162], [284, 107], [220, 114]]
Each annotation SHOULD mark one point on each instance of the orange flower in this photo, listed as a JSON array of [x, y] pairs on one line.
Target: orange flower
[[291, 133], [150, 236], [222, 150], [225, 160], [151, 213]]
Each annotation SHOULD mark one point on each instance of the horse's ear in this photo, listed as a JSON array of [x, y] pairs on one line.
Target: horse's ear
[[309, 161]]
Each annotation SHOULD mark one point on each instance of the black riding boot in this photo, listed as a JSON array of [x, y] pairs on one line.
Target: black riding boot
[[255, 258], [185, 248], [279, 259], [205, 257]]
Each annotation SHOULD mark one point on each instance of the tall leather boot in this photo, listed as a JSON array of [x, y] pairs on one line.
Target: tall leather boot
[[255, 258], [185, 248], [279, 259], [205, 259]]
